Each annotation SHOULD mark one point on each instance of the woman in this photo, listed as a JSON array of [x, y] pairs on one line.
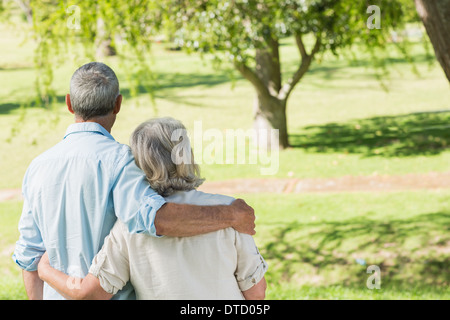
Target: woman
[[219, 265]]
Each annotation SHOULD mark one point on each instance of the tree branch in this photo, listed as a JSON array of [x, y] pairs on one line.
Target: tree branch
[[251, 76], [304, 66], [300, 45]]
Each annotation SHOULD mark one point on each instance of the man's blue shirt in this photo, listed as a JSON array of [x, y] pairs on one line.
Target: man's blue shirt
[[73, 194]]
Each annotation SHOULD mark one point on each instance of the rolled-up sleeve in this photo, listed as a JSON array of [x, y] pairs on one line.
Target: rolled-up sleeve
[[251, 266], [30, 247], [135, 202], [111, 264]]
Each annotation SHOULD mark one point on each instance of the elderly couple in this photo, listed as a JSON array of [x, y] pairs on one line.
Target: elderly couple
[[102, 220]]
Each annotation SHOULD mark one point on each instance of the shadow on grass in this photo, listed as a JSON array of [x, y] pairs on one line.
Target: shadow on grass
[[168, 81], [409, 252], [424, 133], [161, 88], [6, 108]]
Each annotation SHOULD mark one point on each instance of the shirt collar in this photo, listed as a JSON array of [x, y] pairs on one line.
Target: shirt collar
[[87, 127]]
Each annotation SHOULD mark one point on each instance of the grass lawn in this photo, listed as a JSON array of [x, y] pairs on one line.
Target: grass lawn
[[318, 246], [11, 285]]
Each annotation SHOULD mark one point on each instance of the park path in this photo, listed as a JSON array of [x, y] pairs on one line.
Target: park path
[[372, 183]]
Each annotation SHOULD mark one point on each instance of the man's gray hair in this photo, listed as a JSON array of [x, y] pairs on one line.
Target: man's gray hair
[[93, 90], [153, 144]]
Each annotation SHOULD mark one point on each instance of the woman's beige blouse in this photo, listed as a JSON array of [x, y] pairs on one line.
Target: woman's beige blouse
[[216, 265]]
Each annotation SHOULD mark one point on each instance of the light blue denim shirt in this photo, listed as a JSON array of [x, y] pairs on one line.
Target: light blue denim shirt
[[73, 194]]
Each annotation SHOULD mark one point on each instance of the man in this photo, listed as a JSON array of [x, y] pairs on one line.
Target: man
[[75, 191]]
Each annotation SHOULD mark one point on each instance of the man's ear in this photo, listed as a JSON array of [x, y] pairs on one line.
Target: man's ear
[[118, 104], [69, 104]]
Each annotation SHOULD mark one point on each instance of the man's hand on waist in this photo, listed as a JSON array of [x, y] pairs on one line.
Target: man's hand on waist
[[244, 217]]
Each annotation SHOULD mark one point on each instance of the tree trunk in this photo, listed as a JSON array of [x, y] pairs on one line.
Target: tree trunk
[[269, 111], [26, 8], [270, 122], [271, 99], [435, 15], [105, 47]]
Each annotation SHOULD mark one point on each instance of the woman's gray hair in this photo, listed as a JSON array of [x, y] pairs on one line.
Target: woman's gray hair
[[155, 145], [94, 88]]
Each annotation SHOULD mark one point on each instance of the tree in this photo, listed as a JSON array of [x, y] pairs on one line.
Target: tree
[[60, 26], [248, 33], [435, 15], [104, 43]]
